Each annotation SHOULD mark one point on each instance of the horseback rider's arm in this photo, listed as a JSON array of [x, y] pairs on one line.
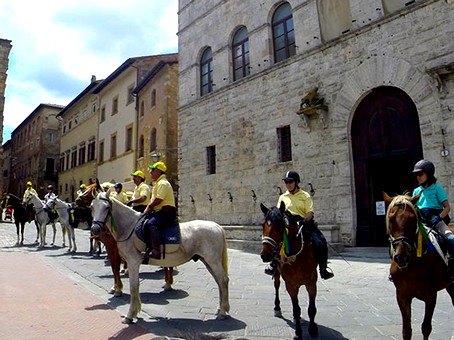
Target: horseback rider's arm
[[446, 209], [150, 207]]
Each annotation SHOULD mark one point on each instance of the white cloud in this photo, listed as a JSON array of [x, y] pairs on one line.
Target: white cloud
[[59, 45]]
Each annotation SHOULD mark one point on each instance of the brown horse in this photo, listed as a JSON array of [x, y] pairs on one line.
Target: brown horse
[[109, 242], [297, 267], [416, 271]]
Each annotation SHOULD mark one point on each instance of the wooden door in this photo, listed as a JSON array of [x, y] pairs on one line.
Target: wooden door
[[386, 143]]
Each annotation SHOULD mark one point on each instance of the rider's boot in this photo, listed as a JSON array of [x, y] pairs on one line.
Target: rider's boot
[[451, 269], [271, 269], [322, 254], [154, 244]]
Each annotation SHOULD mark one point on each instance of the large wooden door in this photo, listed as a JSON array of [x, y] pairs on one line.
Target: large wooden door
[[386, 142]]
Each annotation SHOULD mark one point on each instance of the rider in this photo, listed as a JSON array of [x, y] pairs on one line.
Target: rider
[[299, 203], [434, 205], [81, 190], [161, 209], [28, 207], [119, 193], [50, 195], [141, 196]]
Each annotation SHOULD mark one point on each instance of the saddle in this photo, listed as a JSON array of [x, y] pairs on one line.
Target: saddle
[[170, 237]]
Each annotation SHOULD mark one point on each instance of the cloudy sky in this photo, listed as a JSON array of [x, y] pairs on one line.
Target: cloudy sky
[[58, 45]]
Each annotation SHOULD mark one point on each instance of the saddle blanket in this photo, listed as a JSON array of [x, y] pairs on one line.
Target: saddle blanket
[[168, 235]]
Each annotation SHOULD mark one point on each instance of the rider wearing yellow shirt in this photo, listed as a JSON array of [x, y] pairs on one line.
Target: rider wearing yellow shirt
[[161, 209]]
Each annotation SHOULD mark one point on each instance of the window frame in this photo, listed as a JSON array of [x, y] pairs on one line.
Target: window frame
[[206, 72], [288, 36], [243, 44]]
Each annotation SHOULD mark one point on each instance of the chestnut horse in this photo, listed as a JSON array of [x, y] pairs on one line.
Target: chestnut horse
[[297, 263], [84, 200], [416, 270]]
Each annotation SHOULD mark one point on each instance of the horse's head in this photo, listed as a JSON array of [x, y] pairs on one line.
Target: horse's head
[[402, 224], [85, 198], [50, 203], [100, 208], [273, 228]]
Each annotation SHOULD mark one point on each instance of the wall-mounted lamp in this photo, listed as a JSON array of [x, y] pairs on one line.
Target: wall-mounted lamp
[[230, 196], [279, 190], [444, 152], [209, 198], [155, 156], [192, 199]]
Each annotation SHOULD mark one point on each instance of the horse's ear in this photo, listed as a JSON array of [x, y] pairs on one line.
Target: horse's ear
[[282, 207], [98, 185], [415, 198], [264, 209], [108, 192], [386, 197]]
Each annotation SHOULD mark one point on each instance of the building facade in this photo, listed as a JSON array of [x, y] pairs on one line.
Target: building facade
[[36, 150], [157, 137], [78, 142], [5, 49], [348, 93]]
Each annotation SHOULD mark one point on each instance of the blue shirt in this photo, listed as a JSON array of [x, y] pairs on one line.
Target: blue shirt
[[431, 197]]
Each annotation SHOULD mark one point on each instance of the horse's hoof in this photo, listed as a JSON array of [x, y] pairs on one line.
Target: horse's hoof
[[167, 287], [127, 320], [111, 290], [313, 330], [278, 313], [118, 294], [222, 316], [63, 245]]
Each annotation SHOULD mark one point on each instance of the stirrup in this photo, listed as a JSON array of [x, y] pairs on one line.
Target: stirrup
[[325, 274]]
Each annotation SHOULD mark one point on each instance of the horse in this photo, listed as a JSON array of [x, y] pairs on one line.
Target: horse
[[41, 219], [21, 217], [63, 210], [298, 264], [199, 240], [417, 271]]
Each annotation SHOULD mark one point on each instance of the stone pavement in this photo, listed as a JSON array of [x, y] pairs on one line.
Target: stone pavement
[[50, 293]]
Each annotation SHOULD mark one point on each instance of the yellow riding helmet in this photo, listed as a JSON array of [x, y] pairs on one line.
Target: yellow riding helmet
[[138, 173], [83, 186], [159, 165], [29, 183]]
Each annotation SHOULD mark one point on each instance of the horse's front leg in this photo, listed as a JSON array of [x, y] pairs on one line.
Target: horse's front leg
[[404, 303], [426, 326], [22, 229], [277, 302], [293, 292], [54, 229], [312, 309], [115, 263], [135, 305], [63, 233], [38, 234], [168, 272]]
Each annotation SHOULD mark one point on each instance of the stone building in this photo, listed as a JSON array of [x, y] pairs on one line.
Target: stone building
[[349, 93], [157, 100], [78, 141], [5, 48], [118, 118], [36, 150]]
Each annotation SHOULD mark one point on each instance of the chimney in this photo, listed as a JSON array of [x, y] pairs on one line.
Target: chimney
[[93, 78]]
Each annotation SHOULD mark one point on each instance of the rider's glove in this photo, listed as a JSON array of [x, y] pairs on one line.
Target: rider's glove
[[435, 220]]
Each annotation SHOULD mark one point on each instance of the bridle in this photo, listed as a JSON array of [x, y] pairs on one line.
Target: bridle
[[281, 223]]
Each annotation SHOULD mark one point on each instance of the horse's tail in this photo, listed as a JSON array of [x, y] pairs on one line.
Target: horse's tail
[[225, 256]]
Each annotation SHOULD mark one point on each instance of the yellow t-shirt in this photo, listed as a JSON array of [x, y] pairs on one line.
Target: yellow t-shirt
[[299, 203], [120, 196], [26, 193], [163, 189], [142, 190]]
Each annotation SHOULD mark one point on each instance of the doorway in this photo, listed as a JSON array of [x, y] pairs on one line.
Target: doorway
[[386, 141]]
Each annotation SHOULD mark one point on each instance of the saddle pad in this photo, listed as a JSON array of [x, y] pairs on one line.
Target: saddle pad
[[171, 234]]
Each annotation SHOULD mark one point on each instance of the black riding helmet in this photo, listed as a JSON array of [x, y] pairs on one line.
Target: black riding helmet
[[293, 176], [425, 166]]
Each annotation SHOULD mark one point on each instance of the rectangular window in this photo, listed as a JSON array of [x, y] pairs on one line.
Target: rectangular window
[[73, 158], [101, 151], [211, 160], [130, 97], [91, 150], [62, 163], [284, 144], [103, 114], [114, 105], [128, 145], [50, 168], [113, 145], [67, 160], [82, 154]]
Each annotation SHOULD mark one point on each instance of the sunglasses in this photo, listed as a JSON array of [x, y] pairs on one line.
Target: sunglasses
[[288, 181], [419, 174]]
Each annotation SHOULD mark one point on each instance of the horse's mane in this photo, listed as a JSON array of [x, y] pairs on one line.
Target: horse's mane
[[399, 200], [274, 214]]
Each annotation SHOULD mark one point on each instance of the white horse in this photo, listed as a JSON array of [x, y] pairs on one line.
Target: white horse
[[203, 240], [63, 210], [41, 218]]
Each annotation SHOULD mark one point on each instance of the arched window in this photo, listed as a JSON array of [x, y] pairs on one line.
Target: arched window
[[283, 33], [153, 140], [206, 72], [240, 51]]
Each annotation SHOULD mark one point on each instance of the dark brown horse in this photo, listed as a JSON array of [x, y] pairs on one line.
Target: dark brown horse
[[84, 200], [297, 265], [22, 215], [416, 270]]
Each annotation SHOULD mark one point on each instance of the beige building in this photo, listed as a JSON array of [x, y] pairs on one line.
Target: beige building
[[78, 141], [157, 98], [36, 150], [5, 48], [348, 93], [117, 128]]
